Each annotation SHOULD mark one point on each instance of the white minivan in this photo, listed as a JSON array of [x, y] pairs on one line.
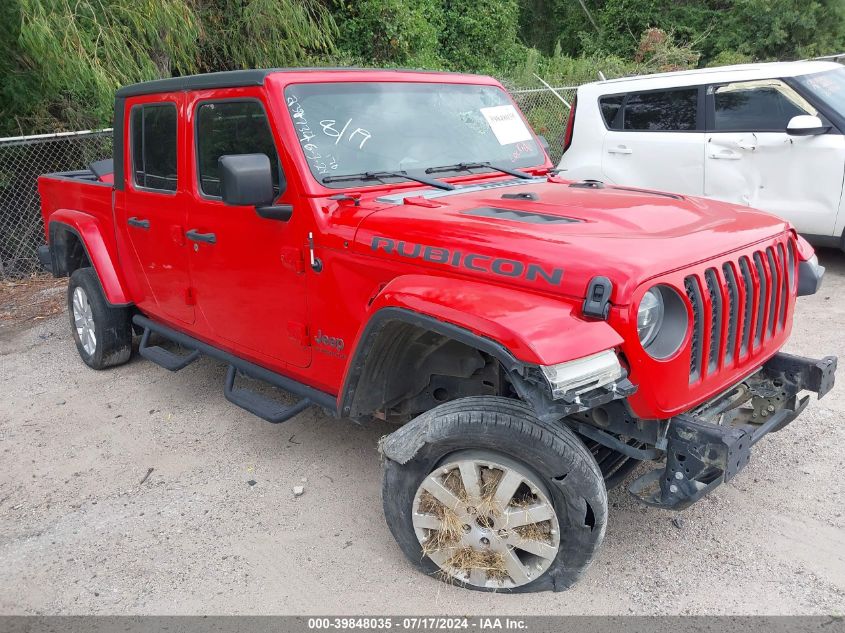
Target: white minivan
[[768, 136]]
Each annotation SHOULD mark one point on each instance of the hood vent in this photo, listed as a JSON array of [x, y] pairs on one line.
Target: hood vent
[[518, 216]]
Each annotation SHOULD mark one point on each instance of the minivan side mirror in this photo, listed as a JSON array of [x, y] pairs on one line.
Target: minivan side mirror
[[247, 179], [806, 125]]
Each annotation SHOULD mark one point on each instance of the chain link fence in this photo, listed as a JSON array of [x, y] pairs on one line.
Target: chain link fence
[[23, 159], [547, 111]]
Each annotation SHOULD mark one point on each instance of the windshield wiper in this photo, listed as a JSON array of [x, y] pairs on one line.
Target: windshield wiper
[[381, 175], [469, 166]]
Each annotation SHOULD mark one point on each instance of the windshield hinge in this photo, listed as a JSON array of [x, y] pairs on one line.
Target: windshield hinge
[[597, 303], [316, 262]]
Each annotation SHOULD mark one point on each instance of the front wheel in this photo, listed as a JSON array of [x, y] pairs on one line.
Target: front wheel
[[103, 333], [495, 499]]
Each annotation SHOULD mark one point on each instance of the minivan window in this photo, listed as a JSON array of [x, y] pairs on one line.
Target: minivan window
[[668, 111], [610, 108], [153, 129], [828, 87], [231, 127], [757, 106]]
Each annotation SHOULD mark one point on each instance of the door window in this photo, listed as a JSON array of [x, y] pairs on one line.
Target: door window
[[756, 106], [231, 127], [673, 110], [667, 111], [153, 129]]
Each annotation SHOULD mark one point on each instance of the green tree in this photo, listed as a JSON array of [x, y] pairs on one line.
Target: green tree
[[481, 35], [63, 61], [781, 29], [238, 34], [390, 32]]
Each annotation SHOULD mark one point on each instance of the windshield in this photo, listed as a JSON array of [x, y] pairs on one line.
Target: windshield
[[828, 86], [355, 128]]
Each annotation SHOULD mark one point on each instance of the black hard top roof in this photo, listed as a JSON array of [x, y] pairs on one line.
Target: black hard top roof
[[235, 79]]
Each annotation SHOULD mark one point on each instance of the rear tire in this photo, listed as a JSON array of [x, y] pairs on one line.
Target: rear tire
[[103, 333], [501, 439]]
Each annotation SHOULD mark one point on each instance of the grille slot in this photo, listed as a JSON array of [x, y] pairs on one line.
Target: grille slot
[[715, 294], [761, 298], [790, 265], [733, 311], [694, 296], [773, 295], [747, 307], [784, 286]]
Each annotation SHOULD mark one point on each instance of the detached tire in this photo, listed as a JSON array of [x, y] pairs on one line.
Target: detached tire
[[484, 495], [103, 334]]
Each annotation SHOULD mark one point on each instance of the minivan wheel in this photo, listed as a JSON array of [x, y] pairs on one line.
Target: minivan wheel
[[495, 499], [102, 333]]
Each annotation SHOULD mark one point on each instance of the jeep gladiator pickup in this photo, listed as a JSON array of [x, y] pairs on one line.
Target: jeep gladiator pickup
[[394, 245]]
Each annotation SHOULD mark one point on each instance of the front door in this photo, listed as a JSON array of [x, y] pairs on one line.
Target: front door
[[247, 272], [655, 140], [154, 205], [751, 160]]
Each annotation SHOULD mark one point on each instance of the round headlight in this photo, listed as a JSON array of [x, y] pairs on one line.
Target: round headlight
[[650, 316], [662, 321]]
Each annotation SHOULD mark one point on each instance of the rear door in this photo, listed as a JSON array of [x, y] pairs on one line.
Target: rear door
[[154, 206], [751, 160], [655, 139]]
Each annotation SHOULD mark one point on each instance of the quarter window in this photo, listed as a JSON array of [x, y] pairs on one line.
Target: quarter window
[[668, 111], [749, 106], [231, 127], [610, 107], [153, 129]]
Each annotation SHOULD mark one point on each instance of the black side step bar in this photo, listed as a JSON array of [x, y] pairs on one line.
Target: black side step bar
[[163, 357], [265, 408], [253, 402]]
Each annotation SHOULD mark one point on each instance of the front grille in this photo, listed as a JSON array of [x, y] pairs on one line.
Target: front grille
[[738, 306]]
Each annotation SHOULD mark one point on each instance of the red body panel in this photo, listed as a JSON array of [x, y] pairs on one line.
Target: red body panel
[[87, 210], [521, 284]]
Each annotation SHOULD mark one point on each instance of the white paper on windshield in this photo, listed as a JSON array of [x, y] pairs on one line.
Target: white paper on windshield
[[506, 124]]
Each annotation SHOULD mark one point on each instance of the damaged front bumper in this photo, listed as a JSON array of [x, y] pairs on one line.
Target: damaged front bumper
[[710, 445]]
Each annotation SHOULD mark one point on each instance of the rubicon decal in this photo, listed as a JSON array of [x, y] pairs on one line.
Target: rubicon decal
[[512, 268]]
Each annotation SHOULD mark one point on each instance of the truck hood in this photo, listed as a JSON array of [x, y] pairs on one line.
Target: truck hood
[[554, 235]]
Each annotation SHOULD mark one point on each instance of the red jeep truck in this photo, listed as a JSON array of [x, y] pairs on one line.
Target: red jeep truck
[[396, 245]]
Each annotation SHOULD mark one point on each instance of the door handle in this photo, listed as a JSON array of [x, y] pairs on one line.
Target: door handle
[[620, 149], [196, 236], [725, 154], [141, 224]]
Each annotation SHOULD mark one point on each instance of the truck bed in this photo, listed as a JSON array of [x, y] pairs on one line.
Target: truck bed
[[78, 203], [79, 191]]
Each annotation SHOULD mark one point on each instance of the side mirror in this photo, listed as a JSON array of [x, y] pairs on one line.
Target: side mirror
[[247, 179], [806, 125]]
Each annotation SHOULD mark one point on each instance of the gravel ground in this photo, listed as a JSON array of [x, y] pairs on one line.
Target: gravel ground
[[85, 527]]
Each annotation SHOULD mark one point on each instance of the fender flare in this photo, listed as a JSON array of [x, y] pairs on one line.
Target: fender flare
[[103, 257], [517, 328]]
